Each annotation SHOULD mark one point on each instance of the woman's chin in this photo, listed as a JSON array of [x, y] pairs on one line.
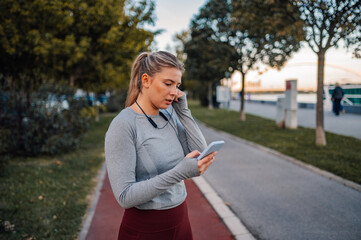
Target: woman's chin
[[164, 106]]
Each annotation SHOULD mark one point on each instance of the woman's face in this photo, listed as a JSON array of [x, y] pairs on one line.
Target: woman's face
[[163, 87]]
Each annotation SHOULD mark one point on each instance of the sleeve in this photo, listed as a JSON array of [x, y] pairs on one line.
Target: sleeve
[[190, 135], [120, 155]]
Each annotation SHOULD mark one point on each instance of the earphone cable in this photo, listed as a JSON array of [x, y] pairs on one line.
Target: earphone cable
[[150, 120]]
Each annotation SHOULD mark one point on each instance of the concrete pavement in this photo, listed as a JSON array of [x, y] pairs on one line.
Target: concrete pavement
[[277, 199], [347, 124]]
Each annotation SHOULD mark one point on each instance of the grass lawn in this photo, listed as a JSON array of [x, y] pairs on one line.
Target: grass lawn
[[341, 156], [46, 197]]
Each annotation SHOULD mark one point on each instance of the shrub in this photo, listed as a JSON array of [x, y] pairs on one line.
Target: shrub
[[46, 121], [102, 108], [88, 112], [116, 101]]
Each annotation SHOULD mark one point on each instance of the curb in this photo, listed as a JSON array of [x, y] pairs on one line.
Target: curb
[[295, 161], [94, 200], [238, 230]]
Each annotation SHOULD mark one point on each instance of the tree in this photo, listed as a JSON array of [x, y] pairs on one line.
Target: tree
[[192, 86], [320, 24], [254, 43], [326, 23], [87, 44], [206, 61], [181, 39], [115, 40], [90, 44], [207, 53]]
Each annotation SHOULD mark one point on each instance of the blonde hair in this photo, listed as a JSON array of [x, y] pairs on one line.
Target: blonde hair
[[149, 63]]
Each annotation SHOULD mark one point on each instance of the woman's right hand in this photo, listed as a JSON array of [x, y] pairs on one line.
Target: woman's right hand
[[205, 162]]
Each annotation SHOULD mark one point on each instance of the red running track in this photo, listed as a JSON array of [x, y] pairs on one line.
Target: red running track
[[206, 225]]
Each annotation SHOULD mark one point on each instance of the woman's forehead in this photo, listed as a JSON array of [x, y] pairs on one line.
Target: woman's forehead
[[172, 74]]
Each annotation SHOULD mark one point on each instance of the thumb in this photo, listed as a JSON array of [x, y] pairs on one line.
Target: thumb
[[193, 154]]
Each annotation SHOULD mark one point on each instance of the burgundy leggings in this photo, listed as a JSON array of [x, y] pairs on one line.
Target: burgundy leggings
[[170, 224]]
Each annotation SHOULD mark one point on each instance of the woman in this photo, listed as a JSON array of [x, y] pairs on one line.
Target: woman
[[150, 148]]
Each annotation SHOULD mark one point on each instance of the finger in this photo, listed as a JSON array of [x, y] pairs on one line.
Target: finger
[[209, 157], [180, 93], [209, 163], [193, 154], [205, 166], [196, 153]]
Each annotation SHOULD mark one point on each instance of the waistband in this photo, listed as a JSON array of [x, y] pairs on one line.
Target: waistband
[[155, 220]]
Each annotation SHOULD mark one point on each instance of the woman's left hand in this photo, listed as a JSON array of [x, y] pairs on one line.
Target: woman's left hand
[[179, 94], [205, 162]]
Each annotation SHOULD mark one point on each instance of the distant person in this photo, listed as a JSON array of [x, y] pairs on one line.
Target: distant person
[[342, 110], [150, 148], [337, 96]]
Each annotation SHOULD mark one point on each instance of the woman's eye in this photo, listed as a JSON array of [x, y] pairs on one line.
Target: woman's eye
[[168, 84]]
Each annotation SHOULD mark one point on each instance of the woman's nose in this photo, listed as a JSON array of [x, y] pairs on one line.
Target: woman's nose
[[174, 91]]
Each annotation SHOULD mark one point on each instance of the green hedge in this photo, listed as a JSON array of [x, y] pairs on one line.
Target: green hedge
[[37, 123]]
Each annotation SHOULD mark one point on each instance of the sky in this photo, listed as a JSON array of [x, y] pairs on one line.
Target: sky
[[175, 16]]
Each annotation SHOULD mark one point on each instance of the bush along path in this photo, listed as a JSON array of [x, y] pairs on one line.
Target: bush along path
[[46, 197]]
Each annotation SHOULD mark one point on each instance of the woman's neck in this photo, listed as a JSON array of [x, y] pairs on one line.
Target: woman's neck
[[146, 105]]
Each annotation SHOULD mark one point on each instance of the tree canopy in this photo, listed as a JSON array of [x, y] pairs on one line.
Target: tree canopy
[[90, 44], [207, 53], [241, 44]]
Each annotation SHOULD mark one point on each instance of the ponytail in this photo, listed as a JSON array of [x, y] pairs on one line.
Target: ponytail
[[135, 85], [149, 63]]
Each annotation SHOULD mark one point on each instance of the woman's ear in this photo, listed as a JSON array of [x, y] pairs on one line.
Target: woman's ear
[[146, 80]]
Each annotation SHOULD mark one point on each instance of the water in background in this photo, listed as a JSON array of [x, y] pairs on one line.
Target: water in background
[[301, 97]]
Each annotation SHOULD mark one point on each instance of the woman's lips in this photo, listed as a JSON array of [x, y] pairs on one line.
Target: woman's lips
[[168, 101]]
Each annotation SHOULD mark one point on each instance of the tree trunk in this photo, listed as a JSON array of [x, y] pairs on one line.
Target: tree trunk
[[320, 132], [242, 113], [210, 105], [96, 107], [71, 80]]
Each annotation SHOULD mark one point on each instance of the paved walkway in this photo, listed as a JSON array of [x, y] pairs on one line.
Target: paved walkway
[[347, 124], [206, 225], [277, 199]]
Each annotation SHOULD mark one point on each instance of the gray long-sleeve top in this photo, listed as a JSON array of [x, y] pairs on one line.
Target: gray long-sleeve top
[[146, 166]]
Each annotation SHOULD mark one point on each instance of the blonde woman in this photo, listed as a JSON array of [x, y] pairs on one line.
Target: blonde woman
[[151, 147]]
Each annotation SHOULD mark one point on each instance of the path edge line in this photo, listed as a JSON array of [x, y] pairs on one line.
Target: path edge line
[[88, 217], [232, 222]]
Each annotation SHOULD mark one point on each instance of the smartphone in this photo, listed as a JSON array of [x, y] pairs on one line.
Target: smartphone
[[212, 147]]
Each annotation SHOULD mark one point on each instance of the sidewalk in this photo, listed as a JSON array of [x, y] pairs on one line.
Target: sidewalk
[[206, 225], [279, 197], [348, 124]]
